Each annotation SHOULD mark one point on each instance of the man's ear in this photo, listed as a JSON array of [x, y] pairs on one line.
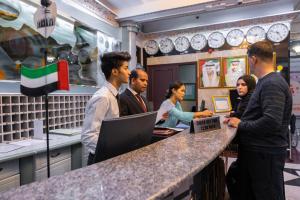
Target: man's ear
[[255, 59], [114, 72], [133, 80]]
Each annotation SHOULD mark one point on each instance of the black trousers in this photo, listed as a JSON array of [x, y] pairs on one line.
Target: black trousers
[[90, 159], [257, 176]]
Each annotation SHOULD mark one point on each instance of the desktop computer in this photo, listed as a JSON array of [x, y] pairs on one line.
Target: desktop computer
[[121, 135]]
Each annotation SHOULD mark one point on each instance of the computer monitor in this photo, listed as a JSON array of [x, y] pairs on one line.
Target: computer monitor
[[234, 98], [124, 134]]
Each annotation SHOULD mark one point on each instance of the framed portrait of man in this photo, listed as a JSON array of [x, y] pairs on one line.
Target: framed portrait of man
[[233, 68], [209, 72]]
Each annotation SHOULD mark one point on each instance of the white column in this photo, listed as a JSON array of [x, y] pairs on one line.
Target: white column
[[129, 41]]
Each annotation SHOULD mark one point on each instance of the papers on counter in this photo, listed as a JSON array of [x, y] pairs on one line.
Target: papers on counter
[[69, 132], [5, 148], [29, 142], [182, 126]]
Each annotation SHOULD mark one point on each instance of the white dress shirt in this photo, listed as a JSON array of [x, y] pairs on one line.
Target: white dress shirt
[[103, 105]]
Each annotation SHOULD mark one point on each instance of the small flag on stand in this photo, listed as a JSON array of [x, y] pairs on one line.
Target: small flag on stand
[[44, 80]]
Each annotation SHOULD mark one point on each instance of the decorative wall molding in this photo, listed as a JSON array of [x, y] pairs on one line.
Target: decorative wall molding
[[99, 10], [287, 18], [193, 57]]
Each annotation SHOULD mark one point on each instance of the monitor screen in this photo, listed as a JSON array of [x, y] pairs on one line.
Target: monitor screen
[[124, 134], [234, 98]]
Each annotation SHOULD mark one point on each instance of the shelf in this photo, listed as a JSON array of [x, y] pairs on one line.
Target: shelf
[[18, 112]]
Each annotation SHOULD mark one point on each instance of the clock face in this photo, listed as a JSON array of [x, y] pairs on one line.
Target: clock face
[[216, 40], [182, 43], [278, 32], [151, 47], [198, 42], [235, 37], [255, 34], [166, 45]]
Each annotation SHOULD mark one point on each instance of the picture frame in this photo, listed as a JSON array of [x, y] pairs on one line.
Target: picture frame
[[221, 104], [209, 72], [233, 68]]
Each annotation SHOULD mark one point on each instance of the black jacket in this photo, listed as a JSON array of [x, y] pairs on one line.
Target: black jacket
[[129, 105], [242, 105], [264, 123]]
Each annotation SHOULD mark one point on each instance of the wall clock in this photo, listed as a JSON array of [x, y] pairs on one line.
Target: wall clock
[[255, 34], [198, 42], [182, 44], [278, 32], [166, 45], [216, 40], [151, 47], [235, 37]]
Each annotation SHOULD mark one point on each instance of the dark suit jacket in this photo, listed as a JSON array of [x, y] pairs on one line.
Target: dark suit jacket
[[129, 105]]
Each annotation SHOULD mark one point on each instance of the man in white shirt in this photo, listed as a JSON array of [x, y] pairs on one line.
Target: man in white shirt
[[104, 104]]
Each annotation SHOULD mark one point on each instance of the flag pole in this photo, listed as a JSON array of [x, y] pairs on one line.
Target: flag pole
[[47, 135], [46, 3]]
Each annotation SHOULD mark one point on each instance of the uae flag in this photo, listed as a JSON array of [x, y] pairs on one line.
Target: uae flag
[[44, 80]]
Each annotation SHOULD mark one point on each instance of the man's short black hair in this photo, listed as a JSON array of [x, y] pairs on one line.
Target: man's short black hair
[[134, 74], [113, 60], [262, 49]]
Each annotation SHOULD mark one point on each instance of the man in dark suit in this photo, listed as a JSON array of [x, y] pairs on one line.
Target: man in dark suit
[[131, 100]]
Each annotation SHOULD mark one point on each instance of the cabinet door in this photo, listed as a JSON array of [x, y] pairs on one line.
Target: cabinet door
[[10, 183], [160, 78], [58, 168], [9, 168], [55, 156]]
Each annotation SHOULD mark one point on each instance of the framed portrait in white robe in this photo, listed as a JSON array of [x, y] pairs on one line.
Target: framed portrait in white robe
[[209, 72], [233, 68]]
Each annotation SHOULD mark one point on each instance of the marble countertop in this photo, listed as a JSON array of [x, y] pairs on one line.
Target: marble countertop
[[151, 172], [55, 141]]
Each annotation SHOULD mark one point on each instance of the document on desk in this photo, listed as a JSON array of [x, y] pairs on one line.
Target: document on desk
[[164, 108], [29, 142], [65, 131], [5, 148]]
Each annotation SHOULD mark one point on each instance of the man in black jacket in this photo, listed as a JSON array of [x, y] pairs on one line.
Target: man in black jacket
[[131, 100], [263, 130]]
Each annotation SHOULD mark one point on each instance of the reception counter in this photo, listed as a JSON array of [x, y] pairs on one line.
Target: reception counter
[[158, 171]]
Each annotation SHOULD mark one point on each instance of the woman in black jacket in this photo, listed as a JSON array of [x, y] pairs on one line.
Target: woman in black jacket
[[245, 86]]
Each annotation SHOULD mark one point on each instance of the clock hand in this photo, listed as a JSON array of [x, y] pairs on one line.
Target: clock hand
[[278, 33]]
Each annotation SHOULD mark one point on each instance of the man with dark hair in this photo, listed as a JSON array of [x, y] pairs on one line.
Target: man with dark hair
[[104, 103], [131, 100], [263, 130]]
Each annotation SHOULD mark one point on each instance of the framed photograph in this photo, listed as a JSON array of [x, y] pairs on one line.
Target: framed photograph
[[221, 104], [209, 72], [233, 68]]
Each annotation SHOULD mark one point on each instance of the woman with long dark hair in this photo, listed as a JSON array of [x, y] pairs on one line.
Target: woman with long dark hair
[[174, 96]]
